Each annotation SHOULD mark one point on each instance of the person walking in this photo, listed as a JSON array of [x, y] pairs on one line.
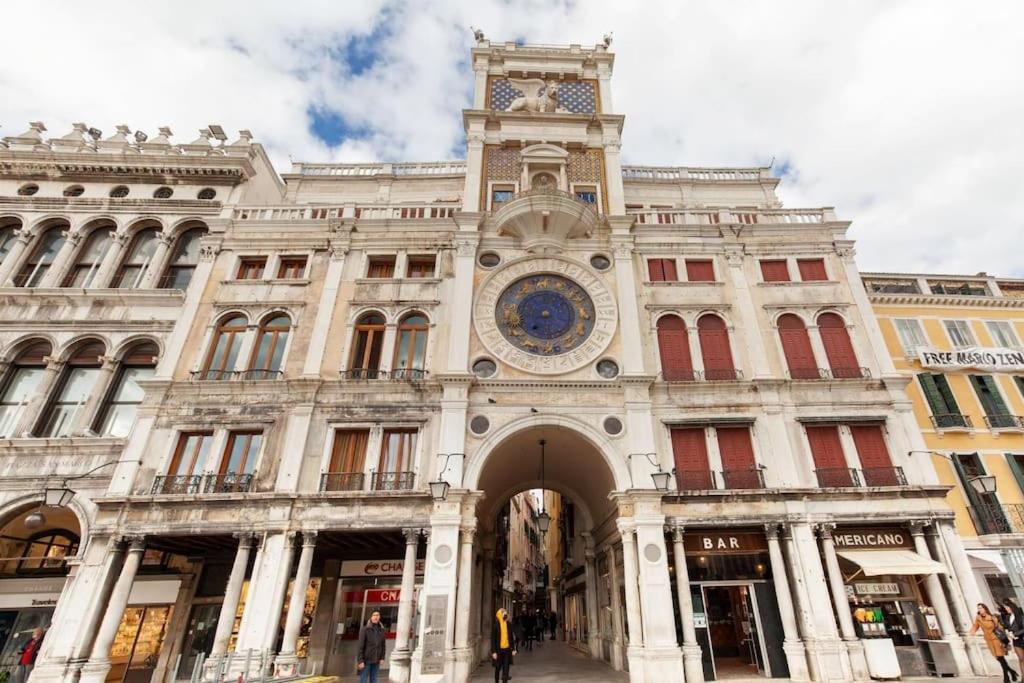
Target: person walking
[[371, 649], [503, 646], [1013, 624], [992, 632], [553, 623], [528, 624], [27, 655]]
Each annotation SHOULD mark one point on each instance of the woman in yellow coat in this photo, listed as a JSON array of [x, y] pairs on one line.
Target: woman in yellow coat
[[991, 630]]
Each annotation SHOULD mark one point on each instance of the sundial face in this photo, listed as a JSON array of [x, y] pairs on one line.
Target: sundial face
[[545, 314]]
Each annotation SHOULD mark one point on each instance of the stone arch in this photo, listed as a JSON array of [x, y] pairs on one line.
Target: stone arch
[[10, 511]]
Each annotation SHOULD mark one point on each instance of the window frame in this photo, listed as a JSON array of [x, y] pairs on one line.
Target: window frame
[[414, 330], [109, 404], [373, 332], [206, 438], [380, 263], [661, 265], [805, 266], [251, 268], [278, 331], [774, 263], [236, 333], [1002, 329], [909, 350], [953, 327], [286, 264], [136, 244]]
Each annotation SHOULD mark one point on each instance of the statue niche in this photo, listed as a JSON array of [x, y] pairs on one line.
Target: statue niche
[[538, 96]]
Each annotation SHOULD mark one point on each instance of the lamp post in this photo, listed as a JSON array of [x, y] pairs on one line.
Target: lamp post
[[660, 477]]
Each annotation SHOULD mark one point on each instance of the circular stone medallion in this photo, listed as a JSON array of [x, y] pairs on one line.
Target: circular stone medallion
[[545, 315]]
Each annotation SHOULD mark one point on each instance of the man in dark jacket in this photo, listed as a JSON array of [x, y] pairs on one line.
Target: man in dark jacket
[[503, 645], [371, 649]]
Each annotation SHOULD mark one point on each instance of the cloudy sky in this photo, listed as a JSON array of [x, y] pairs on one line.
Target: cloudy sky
[[906, 115]]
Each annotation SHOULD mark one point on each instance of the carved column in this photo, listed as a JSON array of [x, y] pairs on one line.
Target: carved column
[[855, 648], [85, 421], [287, 659], [796, 657], [14, 257], [693, 666], [55, 273], [938, 602], [400, 656], [229, 608], [156, 262], [465, 589], [634, 620], [619, 637], [108, 266], [590, 575], [30, 414]]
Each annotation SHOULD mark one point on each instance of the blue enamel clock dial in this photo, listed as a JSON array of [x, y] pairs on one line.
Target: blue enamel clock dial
[[545, 314]]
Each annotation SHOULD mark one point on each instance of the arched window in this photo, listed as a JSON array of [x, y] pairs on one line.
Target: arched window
[[714, 348], [227, 339], [34, 269], [90, 256], [117, 415], [410, 353], [136, 260], [841, 358], [47, 550], [184, 260], [674, 348], [366, 347], [20, 385], [77, 383], [268, 354], [7, 238], [796, 346]]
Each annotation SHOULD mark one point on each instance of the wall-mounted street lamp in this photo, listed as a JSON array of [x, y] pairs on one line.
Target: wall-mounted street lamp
[[543, 519], [61, 497], [983, 483], [660, 477], [439, 488]]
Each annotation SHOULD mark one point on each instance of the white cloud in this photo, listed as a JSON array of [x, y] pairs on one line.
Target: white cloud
[[905, 115]]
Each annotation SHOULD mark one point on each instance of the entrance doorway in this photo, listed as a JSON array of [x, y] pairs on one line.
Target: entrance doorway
[[735, 646]]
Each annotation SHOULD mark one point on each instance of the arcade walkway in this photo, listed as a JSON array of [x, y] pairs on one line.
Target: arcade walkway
[[554, 662]]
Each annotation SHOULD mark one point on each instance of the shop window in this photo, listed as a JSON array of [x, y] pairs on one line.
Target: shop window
[[700, 270], [674, 349], [693, 469], [89, 258], [829, 460], [796, 347], [184, 259], [381, 267], [875, 463], [420, 267], [911, 335], [410, 352], [268, 354], [959, 333], [842, 360], [662, 270], [1002, 333], [20, 385], [348, 457], [714, 348], [251, 268], [227, 340], [187, 463], [238, 463], [812, 269], [291, 267], [74, 388], [997, 415], [133, 267], [117, 414], [395, 468], [41, 258], [736, 450], [945, 411], [775, 271], [367, 342], [47, 551], [140, 636]]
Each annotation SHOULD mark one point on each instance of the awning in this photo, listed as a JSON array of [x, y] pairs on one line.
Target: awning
[[899, 562], [987, 560]]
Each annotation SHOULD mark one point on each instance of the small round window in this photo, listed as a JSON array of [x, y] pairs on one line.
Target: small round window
[[207, 193], [119, 191], [608, 368], [28, 190], [484, 368], [479, 425], [74, 191], [613, 425], [163, 193], [489, 259], [600, 262]]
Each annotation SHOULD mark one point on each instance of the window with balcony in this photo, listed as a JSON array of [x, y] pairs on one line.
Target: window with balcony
[[237, 463], [251, 268], [223, 354], [693, 468], [117, 414], [997, 415], [184, 259], [420, 267], [715, 350], [1002, 333], [411, 350], [186, 469], [830, 464], [136, 261], [674, 349], [74, 387], [842, 360], [797, 349], [736, 452], [911, 335], [89, 258], [875, 464], [662, 270], [268, 353], [367, 343], [959, 333], [348, 458], [945, 411], [395, 468], [775, 270], [20, 384], [381, 267], [41, 258], [700, 270], [291, 268], [812, 269], [987, 513]]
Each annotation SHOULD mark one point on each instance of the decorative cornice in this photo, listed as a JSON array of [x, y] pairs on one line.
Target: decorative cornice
[[945, 300]]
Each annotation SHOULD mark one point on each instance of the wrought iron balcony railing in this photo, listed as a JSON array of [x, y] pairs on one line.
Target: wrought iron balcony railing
[[743, 479], [721, 374], [342, 481], [234, 375], [951, 421], [736, 479], [1004, 421], [392, 481], [695, 480], [998, 519], [837, 477], [713, 375], [851, 372], [177, 484], [229, 482], [807, 373], [883, 476]]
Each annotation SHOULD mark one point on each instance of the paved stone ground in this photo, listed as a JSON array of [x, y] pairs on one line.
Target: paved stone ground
[[554, 662]]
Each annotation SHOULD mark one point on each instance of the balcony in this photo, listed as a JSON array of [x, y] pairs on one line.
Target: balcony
[[545, 216], [234, 375], [229, 482], [883, 476], [1004, 422], [742, 479], [399, 375], [829, 373], [837, 477], [951, 421], [342, 481], [844, 477], [392, 481], [192, 484], [716, 481], [713, 375], [998, 519], [177, 484]]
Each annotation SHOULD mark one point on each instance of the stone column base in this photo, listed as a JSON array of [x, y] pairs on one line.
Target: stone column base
[[693, 663], [796, 659], [963, 664], [662, 664], [977, 654], [286, 665], [57, 671], [461, 664], [95, 671], [830, 661], [400, 666], [618, 658], [858, 660], [635, 657]]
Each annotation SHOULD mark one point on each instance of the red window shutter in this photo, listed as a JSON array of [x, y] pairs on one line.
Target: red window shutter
[[670, 270], [691, 455], [812, 269], [700, 271], [796, 346], [674, 348], [774, 271], [714, 348], [735, 447], [836, 340], [875, 463], [829, 460], [656, 269]]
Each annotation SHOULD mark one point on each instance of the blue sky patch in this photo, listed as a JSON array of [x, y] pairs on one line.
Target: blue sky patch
[[330, 126]]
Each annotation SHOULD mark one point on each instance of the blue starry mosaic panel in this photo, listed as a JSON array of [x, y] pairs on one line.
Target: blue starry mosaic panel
[[574, 96], [545, 315]]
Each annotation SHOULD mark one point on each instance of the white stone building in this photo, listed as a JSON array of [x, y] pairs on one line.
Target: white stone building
[[317, 349]]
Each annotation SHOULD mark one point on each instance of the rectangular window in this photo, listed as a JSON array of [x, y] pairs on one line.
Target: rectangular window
[[911, 335], [693, 470], [291, 267], [775, 271], [348, 455], [945, 411], [959, 333], [187, 463], [237, 463], [812, 269], [986, 511], [662, 270], [700, 270], [394, 470], [996, 413], [501, 194], [875, 463], [381, 267], [251, 268], [830, 464], [586, 194], [736, 451], [420, 266], [1002, 333]]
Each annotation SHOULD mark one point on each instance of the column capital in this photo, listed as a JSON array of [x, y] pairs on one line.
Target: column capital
[[119, 238], [72, 237], [109, 362], [677, 533], [245, 539], [23, 235], [771, 531], [917, 526], [164, 239], [825, 530], [308, 539], [412, 536], [135, 543], [466, 535]]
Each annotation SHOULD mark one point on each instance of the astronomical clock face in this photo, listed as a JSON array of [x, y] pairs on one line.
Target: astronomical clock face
[[545, 315]]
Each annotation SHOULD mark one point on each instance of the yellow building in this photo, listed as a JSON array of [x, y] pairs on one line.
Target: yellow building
[[961, 339]]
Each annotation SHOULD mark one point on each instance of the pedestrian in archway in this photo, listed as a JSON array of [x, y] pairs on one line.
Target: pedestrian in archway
[[1013, 624], [992, 632], [27, 655], [371, 649], [553, 623], [503, 646]]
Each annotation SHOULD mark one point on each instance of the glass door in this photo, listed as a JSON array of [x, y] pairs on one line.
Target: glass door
[[202, 625], [136, 647], [751, 629]]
